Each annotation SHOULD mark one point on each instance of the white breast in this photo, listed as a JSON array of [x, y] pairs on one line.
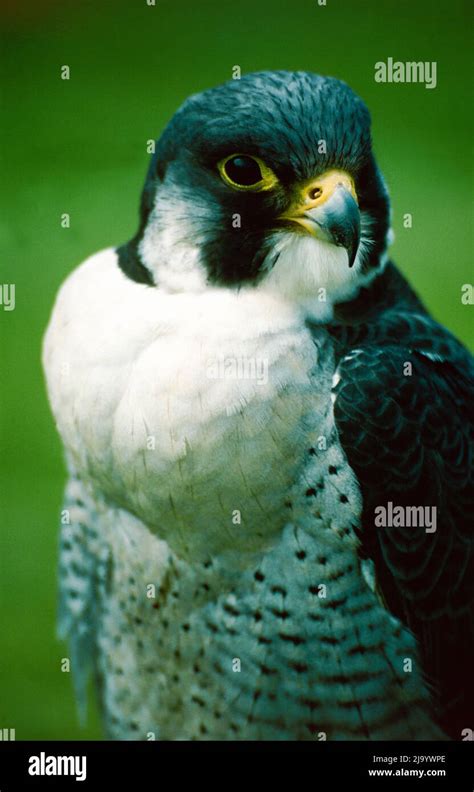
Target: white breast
[[192, 411]]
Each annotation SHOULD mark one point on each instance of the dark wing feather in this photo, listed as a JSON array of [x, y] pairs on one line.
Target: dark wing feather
[[410, 440]]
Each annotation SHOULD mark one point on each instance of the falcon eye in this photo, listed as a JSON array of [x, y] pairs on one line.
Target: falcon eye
[[246, 172]]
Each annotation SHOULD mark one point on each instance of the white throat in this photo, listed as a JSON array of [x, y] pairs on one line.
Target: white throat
[[310, 275]]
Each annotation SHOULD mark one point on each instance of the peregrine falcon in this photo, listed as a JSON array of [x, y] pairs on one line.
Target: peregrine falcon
[[267, 531]]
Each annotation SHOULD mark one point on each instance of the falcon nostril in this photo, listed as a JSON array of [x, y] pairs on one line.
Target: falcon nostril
[[315, 193]]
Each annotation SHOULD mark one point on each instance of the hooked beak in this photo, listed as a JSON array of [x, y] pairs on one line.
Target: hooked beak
[[327, 208]]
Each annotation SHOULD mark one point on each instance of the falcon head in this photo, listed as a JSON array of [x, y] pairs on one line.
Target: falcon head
[[268, 182]]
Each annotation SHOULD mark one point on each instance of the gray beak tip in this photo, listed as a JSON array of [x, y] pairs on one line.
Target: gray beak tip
[[339, 222]]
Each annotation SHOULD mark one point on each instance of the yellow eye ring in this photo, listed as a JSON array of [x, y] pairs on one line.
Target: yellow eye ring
[[246, 172]]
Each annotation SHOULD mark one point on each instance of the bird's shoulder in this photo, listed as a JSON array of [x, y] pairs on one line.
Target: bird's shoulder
[[395, 365]]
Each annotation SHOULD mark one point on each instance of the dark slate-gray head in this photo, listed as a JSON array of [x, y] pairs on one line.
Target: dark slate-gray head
[[265, 182]]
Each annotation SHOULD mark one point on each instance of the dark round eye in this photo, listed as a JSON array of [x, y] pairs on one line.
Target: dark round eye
[[243, 170], [246, 172]]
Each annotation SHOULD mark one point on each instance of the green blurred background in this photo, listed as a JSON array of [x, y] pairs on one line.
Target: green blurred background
[[79, 146]]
